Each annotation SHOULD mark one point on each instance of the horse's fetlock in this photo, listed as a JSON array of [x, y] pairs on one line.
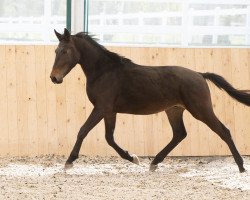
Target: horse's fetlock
[[157, 160], [72, 158]]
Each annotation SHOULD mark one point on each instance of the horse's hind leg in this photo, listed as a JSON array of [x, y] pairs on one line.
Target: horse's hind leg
[[214, 124], [204, 112], [110, 121], [175, 116]]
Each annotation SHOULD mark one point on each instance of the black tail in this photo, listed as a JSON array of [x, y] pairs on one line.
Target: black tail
[[240, 95]]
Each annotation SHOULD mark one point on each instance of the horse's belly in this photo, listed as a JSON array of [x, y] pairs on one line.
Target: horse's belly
[[141, 108], [145, 101]]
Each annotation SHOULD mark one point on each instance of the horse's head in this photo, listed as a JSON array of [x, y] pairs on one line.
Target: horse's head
[[66, 59]]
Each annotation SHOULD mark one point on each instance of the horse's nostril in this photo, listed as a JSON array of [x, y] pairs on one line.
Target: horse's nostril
[[56, 80], [53, 79]]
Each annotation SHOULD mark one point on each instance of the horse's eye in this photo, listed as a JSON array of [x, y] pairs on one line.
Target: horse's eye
[[64, 52]]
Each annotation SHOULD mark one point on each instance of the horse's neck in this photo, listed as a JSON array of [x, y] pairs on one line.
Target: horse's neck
[[93, 60], [89, 58]]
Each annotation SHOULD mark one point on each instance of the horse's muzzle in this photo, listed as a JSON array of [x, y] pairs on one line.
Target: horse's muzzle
[[55, 80]]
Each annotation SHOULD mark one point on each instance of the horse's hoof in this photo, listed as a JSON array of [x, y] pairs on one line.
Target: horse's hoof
[[242, 170], [153, 167], [135, 159], [68, 166]]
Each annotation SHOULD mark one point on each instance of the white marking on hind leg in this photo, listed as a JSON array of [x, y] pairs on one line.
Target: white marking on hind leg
[[68, 166], [135, 159], [153, 167]]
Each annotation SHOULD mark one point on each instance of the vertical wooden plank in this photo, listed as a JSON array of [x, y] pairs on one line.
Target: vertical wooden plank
[[52, 139], [22, 101], [247, 138], [218, 101], [31, 99], [228, 101], [4, 139], [12, 99], [244, 84], [61, 112], [240, 81], [41, 137]]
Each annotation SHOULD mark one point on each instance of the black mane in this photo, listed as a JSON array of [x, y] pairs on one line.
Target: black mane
[[114, 56]]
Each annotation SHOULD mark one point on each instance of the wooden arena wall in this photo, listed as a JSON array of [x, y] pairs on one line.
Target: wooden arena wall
[[38, 117]]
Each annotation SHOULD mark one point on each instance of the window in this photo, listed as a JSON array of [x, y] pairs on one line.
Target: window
[[31, 21], [130, 22], [171, 22]]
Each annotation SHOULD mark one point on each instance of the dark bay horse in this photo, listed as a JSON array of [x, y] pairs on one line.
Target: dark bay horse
[[117, 85]]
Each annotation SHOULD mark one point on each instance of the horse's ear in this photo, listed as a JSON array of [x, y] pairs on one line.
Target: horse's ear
[[58, 35], [66, 34]]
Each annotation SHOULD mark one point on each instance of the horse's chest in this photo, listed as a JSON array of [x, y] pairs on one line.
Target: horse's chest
[[91, 95], [101, 95], [91, 99]]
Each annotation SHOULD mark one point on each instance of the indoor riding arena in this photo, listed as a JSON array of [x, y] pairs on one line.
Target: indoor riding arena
[[122, 99]]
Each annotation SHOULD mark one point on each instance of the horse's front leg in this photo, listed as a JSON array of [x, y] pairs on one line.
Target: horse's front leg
[[94, 118], [110, 120]]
